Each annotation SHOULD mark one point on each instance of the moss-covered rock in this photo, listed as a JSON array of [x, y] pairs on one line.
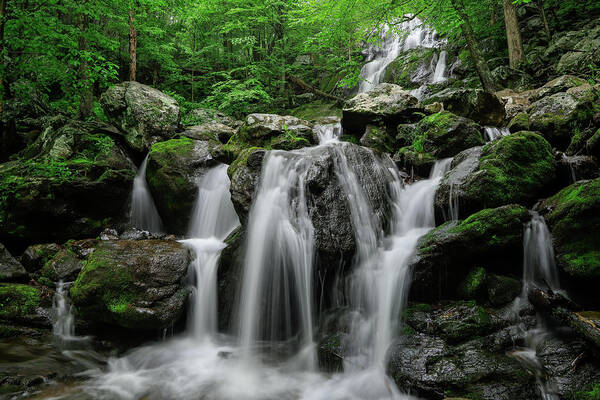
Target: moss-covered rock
[[37, 255], [473, 286], [133, 284], [65, 265], [405, 69], [49, 196], [573, 215], [519, 168], [18, 301], [316, 110], [520, 122], [491, 238], [143, 114], [480, 106], [172, 172], [502, 289], [437, 136]]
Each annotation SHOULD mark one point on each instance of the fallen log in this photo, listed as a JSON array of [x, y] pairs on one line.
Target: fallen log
[[299, 82]]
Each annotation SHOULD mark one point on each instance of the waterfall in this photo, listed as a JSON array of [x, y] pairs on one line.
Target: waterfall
[[379, 58], [144, 214], [493, 133], [439, 75], [539, 269], [213, 219], [276, 298], [328, 133], [63, 326]]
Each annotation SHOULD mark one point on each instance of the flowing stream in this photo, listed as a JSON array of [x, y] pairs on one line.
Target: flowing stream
[[144, 214]]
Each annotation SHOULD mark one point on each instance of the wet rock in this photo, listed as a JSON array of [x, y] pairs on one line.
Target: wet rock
[[50, 199], [502, 290], [386, 104], [143, 114], [65, 265], [444, 256], [244, 173], [519, 168], [229, 278], [211, 131], [435, 137], [480, 106], [575, 168], [556, 116], [172, 172], [35, 256], [10, 269], [411, 68], [573, 217], [136, 285]]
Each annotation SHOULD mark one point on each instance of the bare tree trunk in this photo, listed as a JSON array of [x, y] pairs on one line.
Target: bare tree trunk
[[483, 70], [3, 65], [516, 55], [540, 5], [132, 46], [85, 103]]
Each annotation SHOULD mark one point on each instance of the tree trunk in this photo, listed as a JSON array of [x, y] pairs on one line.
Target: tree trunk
[[483, 70], [516, 55], [3, 65], [86, 95], [540, 6], [132, 47]]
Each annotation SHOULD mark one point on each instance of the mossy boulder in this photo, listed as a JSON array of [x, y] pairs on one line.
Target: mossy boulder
[[492, 238], [213, 132], [520, 122], [137, 285], [173, 169], [573, 215], [18, 301], [244, 173], [502, 289], [64, 266], [559, 116], [10, 269], [203, 116], [511, 78], [482, 107], [519, 168], [36, 256], [437, 136], [410, 69], [143, 114], [49, 195], [386, 105]]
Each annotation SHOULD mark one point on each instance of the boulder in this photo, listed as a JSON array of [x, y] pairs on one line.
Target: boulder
[[558, 85], [143, 114], [138, 285], [386, 104], [260, 129], [435, 137], [202, 116], [19, 302], [210, 131], [411, 68], [576, 168], [173, 170], [482, 107], [511, 78], [64, 266], [519, 168], [10, 269], [67, 194], [584, 52], [37, 255], [492, 238], [573, 215], [558, 116]]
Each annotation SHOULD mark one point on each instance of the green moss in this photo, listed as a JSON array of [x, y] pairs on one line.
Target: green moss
[[474, 283], [349, 139], [317, 109], [574, 219], [182, 145], [520, 122], [18, 300], [241, 160]]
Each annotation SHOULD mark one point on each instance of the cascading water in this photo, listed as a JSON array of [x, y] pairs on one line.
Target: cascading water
[[493, 133], [539, 269], [213, 219], [63, 326], [144, 214], [416, 35], [276, 298]]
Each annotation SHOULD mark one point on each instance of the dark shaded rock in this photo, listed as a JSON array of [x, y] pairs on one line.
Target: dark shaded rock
[[73, 181], [502, 289], [35, 256], [435, 137], [491, 237], [229, 278], [212, 131], [10, 269], [511, 78], [172, 172], [133, 284], [482, 107], [143, 114], [387, 105], [573, 215], [64, 266], [575, 168], [519, 168]]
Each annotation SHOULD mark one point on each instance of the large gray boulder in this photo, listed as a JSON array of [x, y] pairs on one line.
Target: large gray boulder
[[10, 269], [143, 114], [260, 129], [173, 170], [476, 104], [386, 104], [517, 169], [137, 285]]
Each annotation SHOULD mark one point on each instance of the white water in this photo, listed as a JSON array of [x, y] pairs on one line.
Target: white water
[[416, 35], [328, 133], [493, 133], [63, 326], [144, 214], [539, 270]]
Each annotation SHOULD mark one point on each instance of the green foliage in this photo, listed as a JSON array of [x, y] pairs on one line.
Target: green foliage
[[18, 300], [592, 394]]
